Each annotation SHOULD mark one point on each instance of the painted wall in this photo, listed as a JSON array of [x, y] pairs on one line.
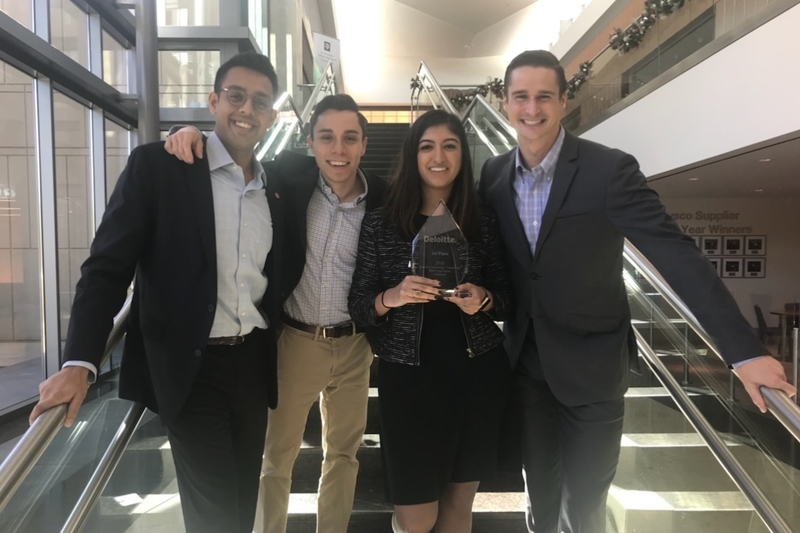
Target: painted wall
[[778, 219], [400, 37], [727, 102], [391, 53]]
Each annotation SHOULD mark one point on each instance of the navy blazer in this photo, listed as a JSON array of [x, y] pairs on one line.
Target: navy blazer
[[159, 226], [572, 291]]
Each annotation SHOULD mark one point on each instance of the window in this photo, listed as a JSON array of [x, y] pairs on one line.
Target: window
[[117, 151], [188, 12], [186, 78], [20, 287], [115, 63], [19, 11], [69, 30], [74, 207]]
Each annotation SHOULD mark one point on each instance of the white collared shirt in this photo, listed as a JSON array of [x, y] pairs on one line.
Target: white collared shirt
[[243, 228]]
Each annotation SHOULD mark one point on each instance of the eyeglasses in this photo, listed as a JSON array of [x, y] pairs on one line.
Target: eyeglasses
[[238, 97]]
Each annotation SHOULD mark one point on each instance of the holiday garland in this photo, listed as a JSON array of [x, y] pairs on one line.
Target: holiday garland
[[622, 41], [631, 37]]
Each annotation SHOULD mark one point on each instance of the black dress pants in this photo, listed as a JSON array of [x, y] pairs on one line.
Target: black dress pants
[[217, 439], [569, 455]]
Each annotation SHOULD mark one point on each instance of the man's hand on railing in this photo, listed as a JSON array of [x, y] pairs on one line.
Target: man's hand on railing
[[763, 371], [185, 144], [69, 385]]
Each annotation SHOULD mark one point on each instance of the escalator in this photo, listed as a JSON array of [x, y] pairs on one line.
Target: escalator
[[695, 456]]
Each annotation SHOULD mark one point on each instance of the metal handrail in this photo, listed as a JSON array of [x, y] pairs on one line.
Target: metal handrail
[[424, 73], [325, 80], [481, 135], [778, 402], [497, 134], [283, 99], [761, 504], [94, 488], [301, 118], [38, 437], [503, 121]]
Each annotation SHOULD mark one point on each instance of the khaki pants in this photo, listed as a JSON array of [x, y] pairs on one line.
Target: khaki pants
[[335, 371]]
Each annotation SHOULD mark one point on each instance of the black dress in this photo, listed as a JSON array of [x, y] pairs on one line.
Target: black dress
[[440, 420]]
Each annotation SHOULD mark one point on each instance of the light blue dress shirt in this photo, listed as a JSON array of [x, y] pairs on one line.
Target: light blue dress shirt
[[532, 190]]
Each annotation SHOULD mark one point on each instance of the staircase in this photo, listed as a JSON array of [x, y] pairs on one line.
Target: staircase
[[499, 505], [383, 147], [667, 480]]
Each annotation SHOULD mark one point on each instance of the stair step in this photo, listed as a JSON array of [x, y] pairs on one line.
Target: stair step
[[682, 512]]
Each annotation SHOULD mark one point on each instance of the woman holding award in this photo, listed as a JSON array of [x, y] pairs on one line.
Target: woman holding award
[[443, 372]]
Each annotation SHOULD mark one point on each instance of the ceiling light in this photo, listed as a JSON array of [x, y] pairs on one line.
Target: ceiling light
[[694, 179], [765, 160], [759, 190]]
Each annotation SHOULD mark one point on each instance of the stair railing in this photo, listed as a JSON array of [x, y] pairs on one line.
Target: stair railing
[[41, 433]]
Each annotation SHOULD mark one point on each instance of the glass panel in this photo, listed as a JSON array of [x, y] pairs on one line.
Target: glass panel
[[19, 10], [186, 78], [20, 287], [48, 493], [117, 150], [69, 30], [188, 12], [285, 133], [671, 39], [115, 63], [762, 446], [488, 136], [73, 196], [142, 494]]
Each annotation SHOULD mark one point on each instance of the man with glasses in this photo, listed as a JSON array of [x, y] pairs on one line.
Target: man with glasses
[[321, 354], [204, 243]]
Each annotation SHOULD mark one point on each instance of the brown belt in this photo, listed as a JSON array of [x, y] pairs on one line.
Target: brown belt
[[326, 332], [235, 340]]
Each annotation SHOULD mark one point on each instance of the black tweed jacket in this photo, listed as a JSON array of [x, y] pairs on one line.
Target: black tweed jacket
[[383, 262]]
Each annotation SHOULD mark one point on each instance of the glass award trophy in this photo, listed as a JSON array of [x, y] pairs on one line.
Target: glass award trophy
[[440, 250]]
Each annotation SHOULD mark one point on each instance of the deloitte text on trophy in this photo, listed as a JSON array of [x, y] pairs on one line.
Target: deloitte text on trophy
[[440, 251]]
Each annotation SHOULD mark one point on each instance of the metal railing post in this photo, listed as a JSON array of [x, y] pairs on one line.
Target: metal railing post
[[147, 71]]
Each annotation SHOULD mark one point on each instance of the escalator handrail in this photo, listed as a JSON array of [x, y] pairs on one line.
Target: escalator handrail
[[105, 469], [328, 76], [38, 437], [778, 402], [501, 120], [283, 99], [761, 504], [424, 73], [301, 117]]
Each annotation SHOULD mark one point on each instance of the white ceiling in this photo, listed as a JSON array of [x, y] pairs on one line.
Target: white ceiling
[[740, 176], [470, 15]]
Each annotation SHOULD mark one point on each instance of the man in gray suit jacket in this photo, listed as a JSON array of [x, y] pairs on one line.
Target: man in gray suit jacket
[[565, 206]]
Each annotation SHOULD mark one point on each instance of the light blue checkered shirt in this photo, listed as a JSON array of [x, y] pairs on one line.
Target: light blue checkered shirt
[[532, 190], [320, 298]]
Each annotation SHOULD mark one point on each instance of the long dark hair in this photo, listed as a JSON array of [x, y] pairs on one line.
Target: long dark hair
[[404, 199]]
